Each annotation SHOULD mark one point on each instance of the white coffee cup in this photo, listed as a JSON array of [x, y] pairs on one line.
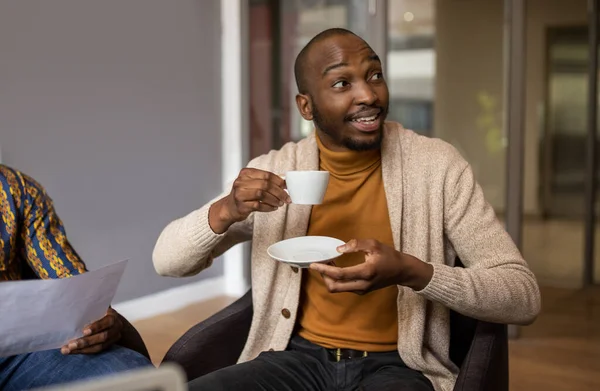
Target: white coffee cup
[[307, 187]]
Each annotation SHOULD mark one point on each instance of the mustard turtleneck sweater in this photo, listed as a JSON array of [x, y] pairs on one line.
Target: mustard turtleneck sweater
[[354, 207]]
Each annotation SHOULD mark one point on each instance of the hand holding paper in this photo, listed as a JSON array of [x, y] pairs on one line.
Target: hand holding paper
[[98, 336], [47, 314]]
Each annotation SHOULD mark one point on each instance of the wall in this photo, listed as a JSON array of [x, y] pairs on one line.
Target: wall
[[114, 106], [469, 45]]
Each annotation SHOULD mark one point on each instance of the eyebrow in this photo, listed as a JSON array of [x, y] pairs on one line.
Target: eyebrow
[[334, 66], [371, 58]]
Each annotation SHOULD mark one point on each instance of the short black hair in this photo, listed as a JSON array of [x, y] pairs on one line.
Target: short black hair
[[300, 65]]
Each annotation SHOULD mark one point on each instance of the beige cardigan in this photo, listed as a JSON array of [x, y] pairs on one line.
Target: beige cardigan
[[437, 211]]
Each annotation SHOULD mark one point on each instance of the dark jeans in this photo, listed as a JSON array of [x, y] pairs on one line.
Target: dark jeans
[[305, 366], [50, 367]]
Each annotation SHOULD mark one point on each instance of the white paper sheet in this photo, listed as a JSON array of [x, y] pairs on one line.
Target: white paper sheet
[[45, 314]]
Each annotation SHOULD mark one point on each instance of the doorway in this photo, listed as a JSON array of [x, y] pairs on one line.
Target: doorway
[[564, 134]]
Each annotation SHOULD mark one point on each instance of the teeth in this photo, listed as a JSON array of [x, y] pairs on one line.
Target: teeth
[[367, 119]]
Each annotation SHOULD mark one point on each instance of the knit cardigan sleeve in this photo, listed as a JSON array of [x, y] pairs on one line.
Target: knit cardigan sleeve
[[496, 284], [188, 245]]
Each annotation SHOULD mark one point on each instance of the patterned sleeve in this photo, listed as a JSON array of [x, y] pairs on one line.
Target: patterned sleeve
[[45, 245]]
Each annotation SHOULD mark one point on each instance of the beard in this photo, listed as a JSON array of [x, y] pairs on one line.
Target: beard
[[345, 141]]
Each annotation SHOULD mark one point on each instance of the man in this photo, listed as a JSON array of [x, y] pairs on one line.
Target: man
[[34, 245], [406, 206]]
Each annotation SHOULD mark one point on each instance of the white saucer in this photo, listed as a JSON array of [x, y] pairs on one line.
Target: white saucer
[[304, 250]]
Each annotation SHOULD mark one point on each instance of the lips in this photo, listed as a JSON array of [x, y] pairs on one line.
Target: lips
[[367, 120]]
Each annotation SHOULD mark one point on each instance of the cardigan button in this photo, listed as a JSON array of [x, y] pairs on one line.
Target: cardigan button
[[271, 350], [286, 313], [294, 269]]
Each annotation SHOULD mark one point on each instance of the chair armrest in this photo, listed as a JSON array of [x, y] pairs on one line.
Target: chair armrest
[[486, 365], [214, 343]]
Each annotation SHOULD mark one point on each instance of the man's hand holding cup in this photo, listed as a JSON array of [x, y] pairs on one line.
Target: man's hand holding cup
[[254, 190]]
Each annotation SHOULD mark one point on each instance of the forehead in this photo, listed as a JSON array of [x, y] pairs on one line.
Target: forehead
[[347, 49]]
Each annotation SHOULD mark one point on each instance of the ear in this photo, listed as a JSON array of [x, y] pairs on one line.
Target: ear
[[304, 103]]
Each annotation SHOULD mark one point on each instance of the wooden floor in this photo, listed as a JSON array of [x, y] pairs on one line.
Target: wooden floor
[[559, 352]]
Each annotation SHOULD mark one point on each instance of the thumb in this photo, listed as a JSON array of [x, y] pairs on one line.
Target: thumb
[[356, 245]]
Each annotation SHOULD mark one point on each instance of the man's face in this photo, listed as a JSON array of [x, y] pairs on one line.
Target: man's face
[[347, 97]]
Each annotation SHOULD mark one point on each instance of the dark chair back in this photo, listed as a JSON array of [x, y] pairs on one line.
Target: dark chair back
[[462, 331], [131, 338], [214, 343], [480, 350]]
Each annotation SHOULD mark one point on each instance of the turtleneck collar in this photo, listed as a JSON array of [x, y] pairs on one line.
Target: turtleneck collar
[[346, 163]]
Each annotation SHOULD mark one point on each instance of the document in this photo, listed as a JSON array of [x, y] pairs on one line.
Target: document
[[46, 314]]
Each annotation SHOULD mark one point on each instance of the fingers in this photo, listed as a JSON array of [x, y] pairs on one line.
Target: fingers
[[255, 173], [364, 271], [92, 344], [355, 286], [355, 245], [108, 321], [97, 336], [264, 196], [100, 333], [257, 185], [356, 279], [85, 342]]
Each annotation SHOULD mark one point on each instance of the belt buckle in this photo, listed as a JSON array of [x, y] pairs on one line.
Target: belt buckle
[[338, 354]]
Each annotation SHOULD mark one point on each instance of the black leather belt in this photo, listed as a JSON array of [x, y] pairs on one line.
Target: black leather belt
[[346, 354]]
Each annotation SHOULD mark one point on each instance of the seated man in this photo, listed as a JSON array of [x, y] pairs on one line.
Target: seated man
[[405, 205], [34, 245]]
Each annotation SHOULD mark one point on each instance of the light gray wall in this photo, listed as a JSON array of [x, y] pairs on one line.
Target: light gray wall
[[114, 106]]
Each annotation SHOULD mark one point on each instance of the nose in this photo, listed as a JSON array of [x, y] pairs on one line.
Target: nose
[[365, 94]]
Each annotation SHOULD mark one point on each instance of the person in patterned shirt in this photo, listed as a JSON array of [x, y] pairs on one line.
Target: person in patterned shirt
[[34, 245]]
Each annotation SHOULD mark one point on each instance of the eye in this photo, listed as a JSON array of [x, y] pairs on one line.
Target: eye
[[340, 84], [377, 76]]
